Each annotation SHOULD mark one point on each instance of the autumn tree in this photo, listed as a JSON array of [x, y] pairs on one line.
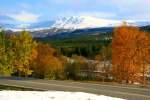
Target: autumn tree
[[104, 54], [47, 63], [75, 65], [6, 54], [130, 52], [104, 57], [23, 46], [143, 53]]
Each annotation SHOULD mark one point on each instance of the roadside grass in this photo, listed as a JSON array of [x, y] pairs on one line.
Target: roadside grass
[[110, 83], [5, 87]]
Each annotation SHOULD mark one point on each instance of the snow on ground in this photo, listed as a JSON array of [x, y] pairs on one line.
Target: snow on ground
[[51, 95]]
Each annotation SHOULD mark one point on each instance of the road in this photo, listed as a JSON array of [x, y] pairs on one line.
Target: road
[[120, 91]]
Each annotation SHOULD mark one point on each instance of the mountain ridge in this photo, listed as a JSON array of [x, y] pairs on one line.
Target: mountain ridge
[[72, 22], [71, 26]]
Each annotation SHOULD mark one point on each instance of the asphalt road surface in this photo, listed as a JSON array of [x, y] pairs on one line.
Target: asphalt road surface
[[120, 91]]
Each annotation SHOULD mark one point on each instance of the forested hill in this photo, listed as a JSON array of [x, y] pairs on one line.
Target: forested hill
[[146, 28]]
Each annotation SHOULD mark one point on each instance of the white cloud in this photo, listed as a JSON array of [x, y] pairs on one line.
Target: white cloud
[[121, 9], [25, 17], [92, 14], [133, 9], [100, 14]]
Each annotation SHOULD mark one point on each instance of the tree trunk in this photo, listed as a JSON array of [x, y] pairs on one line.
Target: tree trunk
[[144, 80]]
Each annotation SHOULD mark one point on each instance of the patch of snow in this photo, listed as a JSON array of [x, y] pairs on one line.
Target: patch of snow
[[52, 95]]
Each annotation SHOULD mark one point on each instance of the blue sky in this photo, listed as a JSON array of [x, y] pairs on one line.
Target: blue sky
[[29, 11]]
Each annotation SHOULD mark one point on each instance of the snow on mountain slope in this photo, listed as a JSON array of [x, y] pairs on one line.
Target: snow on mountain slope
[[80, 22], [74, 22]]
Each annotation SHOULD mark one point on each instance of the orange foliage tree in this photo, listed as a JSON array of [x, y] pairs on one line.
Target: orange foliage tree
[[47, 63], [130, 53]]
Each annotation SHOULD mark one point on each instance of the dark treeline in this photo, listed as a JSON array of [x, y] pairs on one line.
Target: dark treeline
[[88, 45]]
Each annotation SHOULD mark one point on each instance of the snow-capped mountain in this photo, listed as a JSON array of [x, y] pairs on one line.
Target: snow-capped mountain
[[74, 22], [69, 26], [81, 22]]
